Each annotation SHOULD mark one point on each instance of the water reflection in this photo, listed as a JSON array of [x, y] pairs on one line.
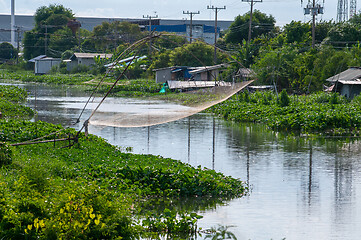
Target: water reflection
[[302, 188]]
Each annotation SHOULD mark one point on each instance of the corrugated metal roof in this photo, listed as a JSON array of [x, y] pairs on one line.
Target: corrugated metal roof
[[207, 68], [354, 82], [245, 72], [351, 74], [91, 55], [195, 84], [37, 58]]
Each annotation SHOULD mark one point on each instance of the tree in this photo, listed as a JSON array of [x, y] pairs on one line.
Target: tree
[[261, 25], [61, 41], [276, 66], [48, 20], [297, 32], [194, 55], [322, 30], [356, 19], [344, 34], [55, 15], [7, 51], [109, 35]]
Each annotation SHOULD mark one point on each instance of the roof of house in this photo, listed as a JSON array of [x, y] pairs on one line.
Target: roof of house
[[90, 55], [350, 76], [37, 58], [207, 68], [245, 72]]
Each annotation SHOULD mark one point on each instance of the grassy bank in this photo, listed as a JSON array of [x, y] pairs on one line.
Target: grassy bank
[[11, 100], [93, 190], [318, 113], [136, 88]]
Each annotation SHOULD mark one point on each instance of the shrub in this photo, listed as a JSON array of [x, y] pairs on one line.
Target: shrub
[[5, 154], [284, 100]]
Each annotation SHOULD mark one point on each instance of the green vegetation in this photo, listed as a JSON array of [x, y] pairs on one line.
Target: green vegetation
[[320, 113], [28, 76], [7, 51], [93, 190], [10, 99], [49, 192]]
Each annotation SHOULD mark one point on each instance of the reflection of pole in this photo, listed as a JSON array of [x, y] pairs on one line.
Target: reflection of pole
[[189, 140], [310, 175], [248, 163], [214, 143], [148, 139], [36, 114]]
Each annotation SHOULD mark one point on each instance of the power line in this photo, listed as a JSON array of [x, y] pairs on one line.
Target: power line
[[150, 32], [250, 17], [216, 10], [191, 23]]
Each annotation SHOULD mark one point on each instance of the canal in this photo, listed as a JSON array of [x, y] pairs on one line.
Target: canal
[[300, 188]]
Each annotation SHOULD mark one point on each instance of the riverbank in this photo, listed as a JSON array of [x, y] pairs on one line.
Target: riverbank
[[135, 88], [93, 190], [317, 113]]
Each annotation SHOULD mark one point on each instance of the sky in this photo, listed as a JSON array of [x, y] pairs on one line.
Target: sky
[[284, 11]]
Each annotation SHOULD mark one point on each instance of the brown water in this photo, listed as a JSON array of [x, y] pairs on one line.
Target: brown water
[[300, 188]]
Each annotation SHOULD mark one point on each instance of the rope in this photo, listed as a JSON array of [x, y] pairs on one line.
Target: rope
[[106, 74], [140, 42]]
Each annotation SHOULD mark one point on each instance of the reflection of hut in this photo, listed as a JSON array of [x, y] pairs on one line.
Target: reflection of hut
[[347, 83], [260, 88]]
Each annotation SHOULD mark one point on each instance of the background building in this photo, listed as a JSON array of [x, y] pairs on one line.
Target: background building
[[201, 28]]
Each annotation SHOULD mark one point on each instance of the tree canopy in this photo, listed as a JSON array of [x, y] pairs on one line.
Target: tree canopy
[[49, 21], [7, 51], [261, 25]]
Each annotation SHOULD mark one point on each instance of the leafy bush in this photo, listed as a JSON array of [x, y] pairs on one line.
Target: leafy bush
[[49, 192], [5, 154], [284, 100], [315, 113]]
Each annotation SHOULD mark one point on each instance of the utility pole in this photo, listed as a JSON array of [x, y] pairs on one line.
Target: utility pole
[[150, 30], [252, 2], [18, 45], [191, 24], [216, 10], [12, 22], [46, 39], [314, 9]]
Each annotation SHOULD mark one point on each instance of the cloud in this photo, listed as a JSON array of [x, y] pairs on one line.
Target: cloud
[[5, 7], [96, 12]]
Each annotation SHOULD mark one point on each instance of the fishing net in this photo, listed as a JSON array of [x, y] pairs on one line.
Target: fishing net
[[143, 112], [149, 113]]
